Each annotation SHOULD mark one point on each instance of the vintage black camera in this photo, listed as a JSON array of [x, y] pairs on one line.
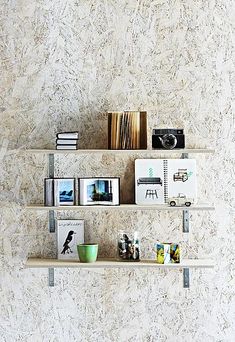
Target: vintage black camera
[[168, 139]]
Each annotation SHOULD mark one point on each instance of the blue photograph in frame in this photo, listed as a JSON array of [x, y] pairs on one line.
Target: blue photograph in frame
[[65, 191]]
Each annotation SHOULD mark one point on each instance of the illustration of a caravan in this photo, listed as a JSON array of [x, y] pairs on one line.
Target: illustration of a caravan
[[181, 175]]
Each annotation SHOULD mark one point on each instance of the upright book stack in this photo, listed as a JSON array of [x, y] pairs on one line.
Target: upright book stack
[[127, 130], [67, 141]]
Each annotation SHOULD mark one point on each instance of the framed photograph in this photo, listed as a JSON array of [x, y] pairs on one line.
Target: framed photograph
[[64, 191], [70, 233], [99, 191]]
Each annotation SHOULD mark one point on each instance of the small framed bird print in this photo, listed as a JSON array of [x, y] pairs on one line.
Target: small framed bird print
[[70, 233]]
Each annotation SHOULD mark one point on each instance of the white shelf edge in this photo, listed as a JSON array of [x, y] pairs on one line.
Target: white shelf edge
[[112, 263], [120, 207], [91, 151]]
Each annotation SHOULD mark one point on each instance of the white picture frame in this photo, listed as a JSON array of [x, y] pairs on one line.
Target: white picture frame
[[64, 191], [99, 191]]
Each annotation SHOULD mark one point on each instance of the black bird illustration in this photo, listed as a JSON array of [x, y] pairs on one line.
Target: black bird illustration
[[67, 242], [70, 193]]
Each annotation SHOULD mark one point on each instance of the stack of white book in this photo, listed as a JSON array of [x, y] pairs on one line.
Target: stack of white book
[[67, 141]]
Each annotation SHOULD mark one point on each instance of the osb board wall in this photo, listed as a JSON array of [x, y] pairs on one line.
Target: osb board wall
[[64, 64]]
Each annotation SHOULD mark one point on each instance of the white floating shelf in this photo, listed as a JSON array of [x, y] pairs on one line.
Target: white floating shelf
[[105, 151], [112, 263], [120, 207]]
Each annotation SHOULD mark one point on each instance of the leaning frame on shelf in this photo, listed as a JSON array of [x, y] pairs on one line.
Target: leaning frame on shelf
[[51, 222]]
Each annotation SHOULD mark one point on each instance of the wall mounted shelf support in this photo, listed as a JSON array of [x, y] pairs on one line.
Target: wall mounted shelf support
[[185, 211], [51, 171], [186, 221], [186, 278], [51, 221], [184, 156], [51, 166], [51, 277]]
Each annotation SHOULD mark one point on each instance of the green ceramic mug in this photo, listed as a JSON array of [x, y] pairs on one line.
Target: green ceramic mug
[[87, 252]]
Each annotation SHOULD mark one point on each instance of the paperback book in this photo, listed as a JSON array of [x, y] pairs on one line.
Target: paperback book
[[66, 147], [67, 135], [66, 142], [157, 180]]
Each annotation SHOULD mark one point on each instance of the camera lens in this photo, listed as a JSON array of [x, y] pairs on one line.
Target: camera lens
[[169, 141]]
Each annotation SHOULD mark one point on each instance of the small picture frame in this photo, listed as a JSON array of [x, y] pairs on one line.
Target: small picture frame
[[99, 191], [64, 191], [167, 253], [70, 233]]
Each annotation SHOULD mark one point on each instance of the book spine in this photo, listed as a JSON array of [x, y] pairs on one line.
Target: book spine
[[66, 147], [165, 171], [66, 141], [45, 193], [127, 130], [64, 137], [118, 132], [113, 130], [121, 132], [143, 130], [56, 196], [109, 130], [48, 192], [52, 193], [81, 190], [67, 135]]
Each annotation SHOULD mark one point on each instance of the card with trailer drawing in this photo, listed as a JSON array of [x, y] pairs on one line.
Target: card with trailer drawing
[[157, 180]]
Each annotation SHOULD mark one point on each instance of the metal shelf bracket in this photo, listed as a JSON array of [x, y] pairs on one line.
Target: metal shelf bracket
[[51, 277], [51, 170], [51, 221], [184, 156], [185, 211], [186, 278], [186, 221], [51, 167]]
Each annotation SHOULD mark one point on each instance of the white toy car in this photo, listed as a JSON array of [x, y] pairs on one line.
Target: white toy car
[[180, 200]]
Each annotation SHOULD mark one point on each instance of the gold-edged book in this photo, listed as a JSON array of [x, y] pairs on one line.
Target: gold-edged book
[[127, 130]]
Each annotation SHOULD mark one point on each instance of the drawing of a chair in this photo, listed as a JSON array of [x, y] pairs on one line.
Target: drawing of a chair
[[151, 193]]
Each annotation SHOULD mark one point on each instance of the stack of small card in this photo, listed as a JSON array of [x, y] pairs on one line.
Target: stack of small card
[[67, 141]]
